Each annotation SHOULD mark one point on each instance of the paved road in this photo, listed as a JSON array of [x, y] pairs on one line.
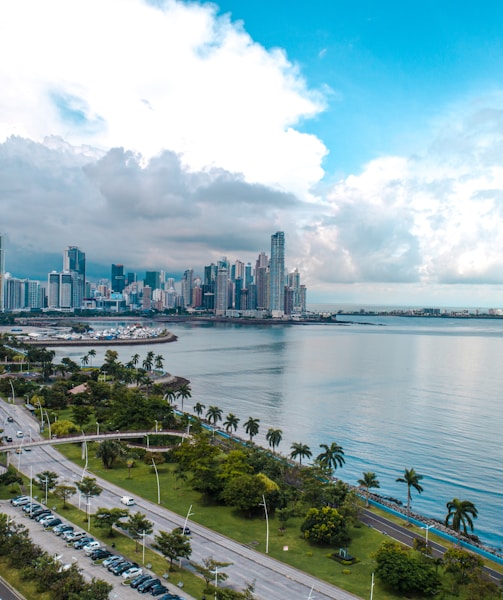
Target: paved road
[[273, 579]]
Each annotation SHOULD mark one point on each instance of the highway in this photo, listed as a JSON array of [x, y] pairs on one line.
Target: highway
[[273, 579]]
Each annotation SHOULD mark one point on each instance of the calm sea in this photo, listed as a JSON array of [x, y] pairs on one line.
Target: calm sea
[[394, 392]]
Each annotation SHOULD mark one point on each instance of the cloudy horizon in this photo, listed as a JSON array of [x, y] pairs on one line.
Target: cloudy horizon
[[164, 135]]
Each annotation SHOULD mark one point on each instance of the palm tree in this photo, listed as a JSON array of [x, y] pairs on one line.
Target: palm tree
[[184, 392], [369, 480], [231, 422], [300, 450], [461, 513], [85, 359], [149, 361], [274, 437], [412, 479], [91, 354], [159, 362], [251, 427], [170, 395], [135, 359], [199, 408], [214, 414], [333, 456]]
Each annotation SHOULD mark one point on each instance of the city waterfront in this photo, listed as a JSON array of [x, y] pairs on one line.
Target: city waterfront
[[395, 392]]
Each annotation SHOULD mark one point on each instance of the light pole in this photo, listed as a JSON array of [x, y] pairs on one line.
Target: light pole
[[143, 552], [216, 582], [372, 587], [189, 514], [427, 527], [41, 416], [158, 486], [263, 503], [88, 506], [97, 428], [156, 424], [48, 423], [46, 488], [13, 392], [85, 455]]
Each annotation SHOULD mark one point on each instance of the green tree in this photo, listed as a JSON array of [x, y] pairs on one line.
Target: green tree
[[325, 526], [412, 479], [173, 546], [46, 480], [369, 480], [148, 362], [199, 408], [108, 518], [84, 359], [81, 415], [109, 451], [231, 423], [332, 457], [208, 567], [252, 427], [184, 392], [244, 493], [159, 362], [135, 359], [460, 516], [274, 437], [214, 414], [63, 492], [301, 451], [137, 526], [88, 488], [91, 354]]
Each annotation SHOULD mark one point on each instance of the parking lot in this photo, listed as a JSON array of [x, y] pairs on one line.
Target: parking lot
[[56, 546]]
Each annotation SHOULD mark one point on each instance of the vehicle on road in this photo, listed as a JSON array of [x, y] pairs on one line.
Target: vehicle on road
[[184, 530], [8, 438], [19, 434], [10, 419], [20, 500], [127, 500]]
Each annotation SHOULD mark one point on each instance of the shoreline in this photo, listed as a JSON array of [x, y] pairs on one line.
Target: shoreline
[[160, 339]]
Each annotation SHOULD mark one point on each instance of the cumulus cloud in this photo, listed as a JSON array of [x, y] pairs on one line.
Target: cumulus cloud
[[149, 77]]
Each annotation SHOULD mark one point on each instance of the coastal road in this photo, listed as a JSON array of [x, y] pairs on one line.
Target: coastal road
[[273, 579]]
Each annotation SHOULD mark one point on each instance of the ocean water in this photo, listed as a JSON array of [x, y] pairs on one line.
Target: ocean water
[[394, 392]]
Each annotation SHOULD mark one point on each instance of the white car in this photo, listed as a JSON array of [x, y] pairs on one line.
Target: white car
[[73, 536], [20, 500], [127, 500], [132, 572], [19, 434], [88, 548]]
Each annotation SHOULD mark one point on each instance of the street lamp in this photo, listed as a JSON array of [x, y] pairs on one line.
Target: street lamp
[[263, 503], [143, 534], [13, 392], [48, 422], [88, 506], [46, 488], [156, 424], [97, 428], [216, 581], [372, 587], [189, 514], [41, 416], [427, 527], [158, 486]]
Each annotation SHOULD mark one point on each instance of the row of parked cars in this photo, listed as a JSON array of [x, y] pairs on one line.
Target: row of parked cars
[[80, 540]]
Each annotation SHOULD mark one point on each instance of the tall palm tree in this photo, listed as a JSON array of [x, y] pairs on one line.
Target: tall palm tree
[[251, 427], [148, 362], [214, 414], [461, 514], [412, 479], [85, 359], [135, 359], [274, 437], [300, 450], [199, 408], [159, 362], [332, 457], [369, 480], [91, 354], [184, 392], [231, 422]]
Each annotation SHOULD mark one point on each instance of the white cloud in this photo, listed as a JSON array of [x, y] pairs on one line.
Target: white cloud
[[126, 73]]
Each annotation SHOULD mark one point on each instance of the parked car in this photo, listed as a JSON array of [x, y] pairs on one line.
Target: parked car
[[122, 567], [20, 500], [127, 500], [43, 518], [88, 548], [108, 561], [43, 511], [31, 508], [63, 528], [144, 587], [73, 536], [52, 522], [132, 572], [79, 544], [139, 580], [157, 590], [100, 554]]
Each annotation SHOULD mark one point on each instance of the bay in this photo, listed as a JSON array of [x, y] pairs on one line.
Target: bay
[[394, 392]]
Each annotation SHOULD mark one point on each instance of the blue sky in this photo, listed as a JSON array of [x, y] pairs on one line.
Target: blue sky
[[164, 135]]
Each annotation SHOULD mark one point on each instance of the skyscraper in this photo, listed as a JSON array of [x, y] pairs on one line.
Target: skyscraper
[[118, 279], [74, 262], [277, 275], [2, 274]]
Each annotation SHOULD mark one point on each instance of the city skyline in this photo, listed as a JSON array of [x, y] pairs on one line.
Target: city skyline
[[369, 133]]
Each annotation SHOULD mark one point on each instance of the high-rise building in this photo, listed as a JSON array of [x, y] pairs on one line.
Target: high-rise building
[[277, 274], [74, 263], [152, 279], [222, 292], [118, 279], [2, 275], [187, 284]]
